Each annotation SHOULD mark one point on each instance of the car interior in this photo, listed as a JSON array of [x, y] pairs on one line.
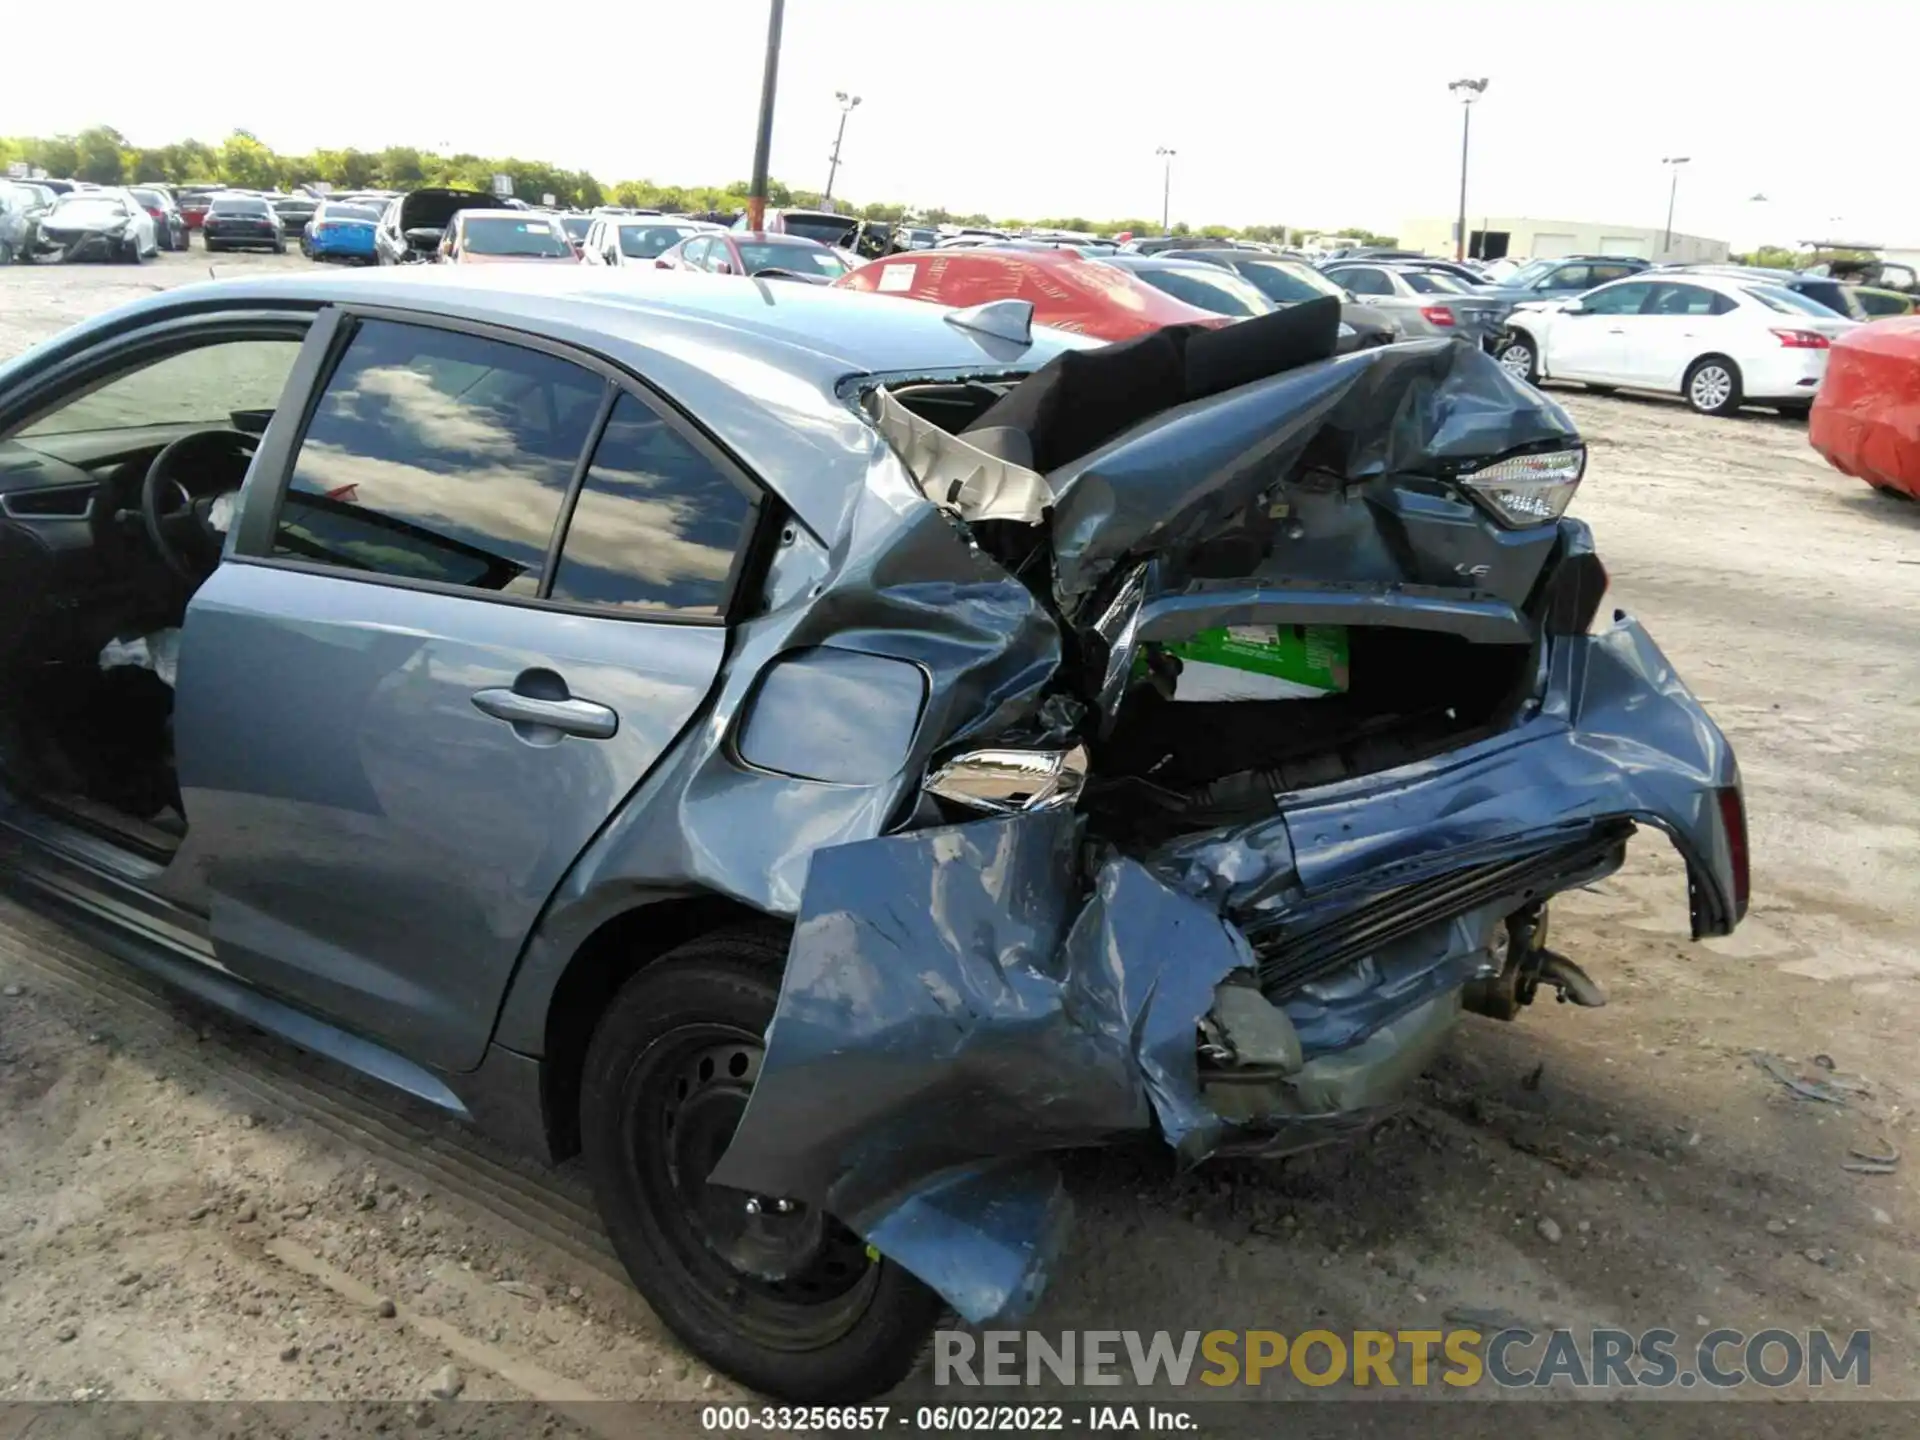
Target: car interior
[[115, 496]]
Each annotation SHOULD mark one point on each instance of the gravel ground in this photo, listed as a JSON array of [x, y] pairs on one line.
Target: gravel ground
[[191, 1210]]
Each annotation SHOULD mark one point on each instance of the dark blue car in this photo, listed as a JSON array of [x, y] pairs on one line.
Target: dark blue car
[[815, 754], [343, 231]]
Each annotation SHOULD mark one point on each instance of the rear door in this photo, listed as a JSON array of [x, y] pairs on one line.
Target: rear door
[[467, 607], [1679, 323]]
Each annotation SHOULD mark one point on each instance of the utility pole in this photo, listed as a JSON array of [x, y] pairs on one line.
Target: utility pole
[[1166, 190], [1468, 91], [847, 102], [763, 143], [1673, 164]]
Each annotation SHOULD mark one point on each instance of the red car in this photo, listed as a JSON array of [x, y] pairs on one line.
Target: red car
[[194, 202], [754, 252], [1866, 418], [1066, 292]]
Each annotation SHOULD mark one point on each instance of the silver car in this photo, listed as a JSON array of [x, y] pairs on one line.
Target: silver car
[[1424, 301], [818, 755]]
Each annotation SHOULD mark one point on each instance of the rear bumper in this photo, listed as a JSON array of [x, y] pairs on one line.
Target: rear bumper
[[960, 1000], [1786, 375], [328, 244]]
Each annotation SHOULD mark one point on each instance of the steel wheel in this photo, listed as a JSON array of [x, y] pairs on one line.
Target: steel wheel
[[789, 1275]]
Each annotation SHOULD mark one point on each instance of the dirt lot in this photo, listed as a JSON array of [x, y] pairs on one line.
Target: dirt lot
[[190, 1210]]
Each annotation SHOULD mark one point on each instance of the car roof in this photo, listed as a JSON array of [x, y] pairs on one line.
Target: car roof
[[1150, 262], [476, 212], [760, 364]]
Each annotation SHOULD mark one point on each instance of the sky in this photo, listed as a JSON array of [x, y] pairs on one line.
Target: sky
[[1302, 112]]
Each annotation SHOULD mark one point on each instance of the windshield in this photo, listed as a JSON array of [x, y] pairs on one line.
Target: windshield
[[152, 199], [1286, 284], [87, 209], [1786, 302], [1220, 291], [1835, 297], [1530, 272], [576, 226], [347, 212], [803, 259], [827, 229], [1433, 282], [644, 242], [497, 235], [239, 205]]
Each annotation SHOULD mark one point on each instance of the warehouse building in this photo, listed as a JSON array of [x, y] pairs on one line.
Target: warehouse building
[[1498, 237]]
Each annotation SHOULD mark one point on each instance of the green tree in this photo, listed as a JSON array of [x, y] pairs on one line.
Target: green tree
[[191, 160], [59, 156], [400, 167], [246, 164], [100, 156]]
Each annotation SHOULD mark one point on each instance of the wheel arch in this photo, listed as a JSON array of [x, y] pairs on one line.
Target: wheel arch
[[1739, 375], [563, 987], [1532, 338]]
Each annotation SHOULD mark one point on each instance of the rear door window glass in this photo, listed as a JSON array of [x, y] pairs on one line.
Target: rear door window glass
[[438, 456], [657, 524], [1364, 281]]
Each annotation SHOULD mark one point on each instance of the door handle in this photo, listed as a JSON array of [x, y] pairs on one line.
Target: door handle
[[1616, 331], [569, 716]]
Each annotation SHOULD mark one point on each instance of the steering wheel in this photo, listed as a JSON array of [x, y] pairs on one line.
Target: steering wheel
[[179, 512]]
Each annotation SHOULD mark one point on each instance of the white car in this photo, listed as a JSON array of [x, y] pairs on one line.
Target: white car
[[1717, 341], [635, 240], [101, 222]]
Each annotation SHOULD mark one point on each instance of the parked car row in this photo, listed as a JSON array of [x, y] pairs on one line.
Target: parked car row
[[89, 223]]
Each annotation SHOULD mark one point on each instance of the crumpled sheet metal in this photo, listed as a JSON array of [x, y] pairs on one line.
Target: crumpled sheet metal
[[952, 1007], [1635, 743], [902, 581], [1190, 473], [950, 1002]]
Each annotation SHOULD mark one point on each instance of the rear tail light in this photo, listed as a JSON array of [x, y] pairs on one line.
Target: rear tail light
[[1437, 314], [1529, 489], [1803, 339], [1733, 819]]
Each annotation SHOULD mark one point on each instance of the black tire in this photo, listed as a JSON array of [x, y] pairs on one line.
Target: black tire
[[1520, 357], [279, 247], [1795, 409], [132, 253], [6, 252], [213, 246], [1708, 395], [666, 1077], [1593, 389]]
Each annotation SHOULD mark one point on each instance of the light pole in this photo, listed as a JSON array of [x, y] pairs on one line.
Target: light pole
[[1673, 164], [763, 140], [1468, 91], [847, 102], [1166, 188]]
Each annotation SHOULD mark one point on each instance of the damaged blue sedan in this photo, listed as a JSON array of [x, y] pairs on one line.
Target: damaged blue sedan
[[817, 755]]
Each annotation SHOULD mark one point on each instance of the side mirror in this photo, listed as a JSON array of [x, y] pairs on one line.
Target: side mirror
[[724, 267], [1573, 307]]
